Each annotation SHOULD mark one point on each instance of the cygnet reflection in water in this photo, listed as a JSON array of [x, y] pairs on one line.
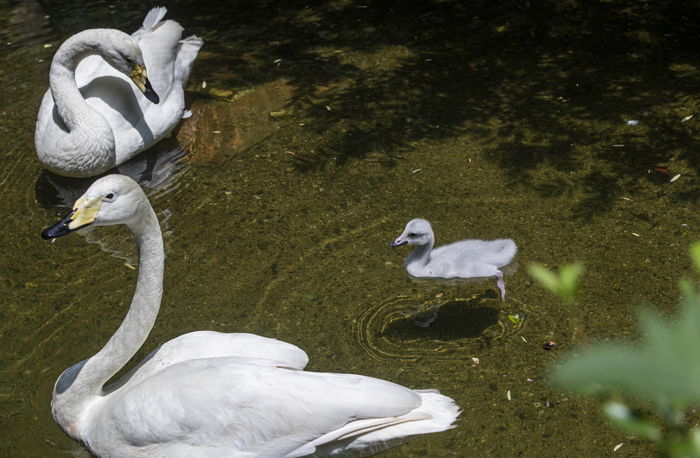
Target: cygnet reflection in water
[[463, 259]]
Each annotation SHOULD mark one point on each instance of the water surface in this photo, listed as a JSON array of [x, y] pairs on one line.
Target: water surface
[[323, 127]]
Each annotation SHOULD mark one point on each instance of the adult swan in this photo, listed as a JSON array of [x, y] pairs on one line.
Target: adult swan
[[209, 394], [93, 118]]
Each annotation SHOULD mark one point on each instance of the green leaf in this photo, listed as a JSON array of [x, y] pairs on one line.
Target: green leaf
[[515, 318], [695, 255], [622, 417], [663, 368], [544, 276], [694, 441], [565, 285], [569, 274]]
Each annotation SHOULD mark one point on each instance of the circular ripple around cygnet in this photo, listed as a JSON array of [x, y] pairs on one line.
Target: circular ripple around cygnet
[[410, 328]]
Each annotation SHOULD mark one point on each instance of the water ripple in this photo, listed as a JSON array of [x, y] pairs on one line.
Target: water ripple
[[443, 329]]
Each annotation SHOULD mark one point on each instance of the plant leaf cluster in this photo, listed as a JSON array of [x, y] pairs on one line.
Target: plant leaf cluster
[[660, 371]]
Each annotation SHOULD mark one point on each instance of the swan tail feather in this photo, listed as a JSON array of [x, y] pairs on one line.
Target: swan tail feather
[[186, 54], [154, 16], [436, 413]]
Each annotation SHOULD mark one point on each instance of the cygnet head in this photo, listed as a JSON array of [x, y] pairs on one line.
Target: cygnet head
[[417, 232], [122, 53], [114, 199]]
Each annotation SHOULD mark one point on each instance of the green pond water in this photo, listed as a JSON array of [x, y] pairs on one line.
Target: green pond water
[[318, 130]]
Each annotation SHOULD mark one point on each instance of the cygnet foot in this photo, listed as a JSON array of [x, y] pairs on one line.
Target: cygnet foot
[[501, 284]]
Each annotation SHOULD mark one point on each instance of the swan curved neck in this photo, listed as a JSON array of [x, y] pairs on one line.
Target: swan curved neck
[[71, 106], [81, 141], [135, 327], [421, 253]]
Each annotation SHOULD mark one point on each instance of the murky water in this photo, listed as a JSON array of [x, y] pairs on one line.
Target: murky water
[[323, 128]]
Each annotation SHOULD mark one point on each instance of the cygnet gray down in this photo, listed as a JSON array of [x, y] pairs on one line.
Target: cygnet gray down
[[462, 259]]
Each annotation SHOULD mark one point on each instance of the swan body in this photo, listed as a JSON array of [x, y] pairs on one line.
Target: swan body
[[210, 394], [463, 259], [102, 107]]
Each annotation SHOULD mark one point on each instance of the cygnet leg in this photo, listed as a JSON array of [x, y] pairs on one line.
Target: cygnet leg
[[425, 319], [501, 284]]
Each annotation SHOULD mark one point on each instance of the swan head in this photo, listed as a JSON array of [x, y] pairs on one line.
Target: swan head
[[417, 232], [122, 53], [113, 199]]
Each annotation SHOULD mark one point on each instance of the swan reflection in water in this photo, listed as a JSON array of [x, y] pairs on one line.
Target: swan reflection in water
[[157, 171]]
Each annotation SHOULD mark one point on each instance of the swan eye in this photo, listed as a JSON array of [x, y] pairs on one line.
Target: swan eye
[[109, 197], [412, 234]]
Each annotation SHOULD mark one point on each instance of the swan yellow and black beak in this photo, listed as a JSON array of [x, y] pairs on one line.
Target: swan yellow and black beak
[[140, 78], [84, 213]]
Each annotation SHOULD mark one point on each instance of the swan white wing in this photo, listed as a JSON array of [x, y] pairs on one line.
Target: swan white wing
[[211, 344], [136, 122], [111, 93], [153, 17], [159, 47], [436, 413], [237, 405], [186, 54], [118, 100]]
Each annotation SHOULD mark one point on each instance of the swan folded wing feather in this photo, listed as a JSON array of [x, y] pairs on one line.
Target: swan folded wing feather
[[159, 48], [250, 405], [186, 54], [114, 97], [212, 344], [153, 17], [135, 121], [92, 67], [151, 21], [117, 102], [111, 94], [436, 413]]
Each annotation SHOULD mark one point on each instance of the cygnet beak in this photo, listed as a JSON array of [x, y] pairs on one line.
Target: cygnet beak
[[398, 242]]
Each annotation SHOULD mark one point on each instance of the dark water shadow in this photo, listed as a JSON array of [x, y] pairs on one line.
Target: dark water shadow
[[455, 319], [550, 84]]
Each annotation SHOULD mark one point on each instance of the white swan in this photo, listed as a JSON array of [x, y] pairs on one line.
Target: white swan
[[93, 118], [463, 259], [208, 394]]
